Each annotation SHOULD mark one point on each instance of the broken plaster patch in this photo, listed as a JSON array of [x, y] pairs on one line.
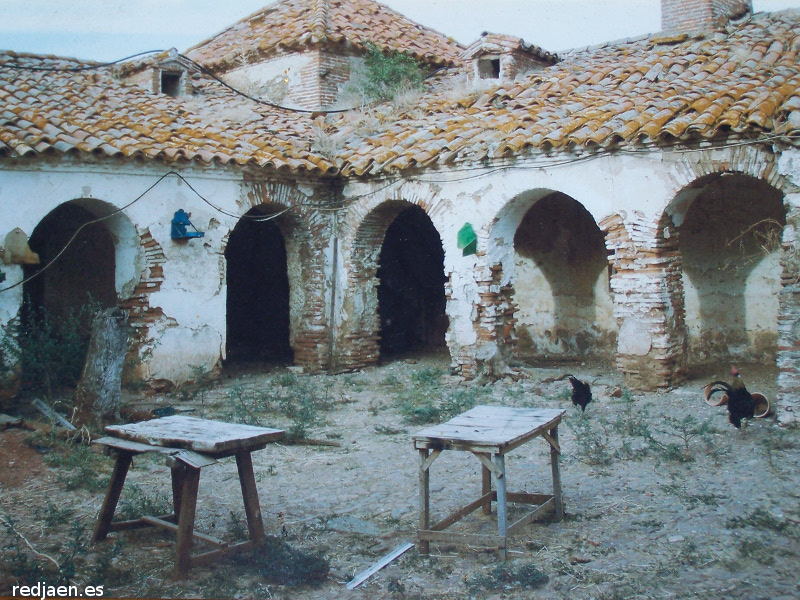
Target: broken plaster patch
[[634, 338]]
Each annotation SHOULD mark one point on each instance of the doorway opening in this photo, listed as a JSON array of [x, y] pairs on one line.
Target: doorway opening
[[258, 292], [411, 296]]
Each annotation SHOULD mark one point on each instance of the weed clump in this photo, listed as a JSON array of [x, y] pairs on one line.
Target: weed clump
[[281, 564], [283, 397], [80, 466], [507, 577], [49, 348], [136, 502], [428, 401], [385, 76]]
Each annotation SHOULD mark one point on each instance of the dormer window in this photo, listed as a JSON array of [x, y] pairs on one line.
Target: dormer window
[[496, 56], [171, 83], [489, 68]]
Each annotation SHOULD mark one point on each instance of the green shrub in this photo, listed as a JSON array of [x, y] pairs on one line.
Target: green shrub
[[78, 466], [386, 74], [506, 577], [50, 349]]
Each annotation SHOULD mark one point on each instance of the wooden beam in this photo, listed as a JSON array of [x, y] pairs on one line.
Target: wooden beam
[[429, 461], [461, 513], [487, 462], [484, 541], [530, 517], [213, 557], [551, 441], [364, 575], [156, 522]]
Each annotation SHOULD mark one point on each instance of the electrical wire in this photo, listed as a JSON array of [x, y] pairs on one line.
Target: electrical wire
[[255, 218], [81, 228], [483, 171], [78, 69]]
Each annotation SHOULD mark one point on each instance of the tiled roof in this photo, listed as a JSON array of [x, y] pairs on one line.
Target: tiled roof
[[90, 113], [745, 83], [648, 91], [296, 24]]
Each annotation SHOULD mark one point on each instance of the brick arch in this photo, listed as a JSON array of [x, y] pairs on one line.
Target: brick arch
[[724, 320], [363, 234], [305, 254], [512, 315]]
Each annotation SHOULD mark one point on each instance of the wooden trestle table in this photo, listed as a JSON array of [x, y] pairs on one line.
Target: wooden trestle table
[[190, 444], [488, 432]]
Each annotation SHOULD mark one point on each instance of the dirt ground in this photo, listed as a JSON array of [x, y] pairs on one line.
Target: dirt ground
[[664, 498]]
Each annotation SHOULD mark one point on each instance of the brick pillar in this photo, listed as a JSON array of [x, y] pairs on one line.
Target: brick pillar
[[648, 302], [140, 314], [358, 338], [788, 358], [493, 318]]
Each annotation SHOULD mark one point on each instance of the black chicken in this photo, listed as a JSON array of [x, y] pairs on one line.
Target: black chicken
[[740, 403], [581, 394]]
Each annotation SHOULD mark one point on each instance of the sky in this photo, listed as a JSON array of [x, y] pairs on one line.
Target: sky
[[107, 30]]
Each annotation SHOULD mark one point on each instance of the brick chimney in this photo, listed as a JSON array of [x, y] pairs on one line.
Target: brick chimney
[[701, 15]]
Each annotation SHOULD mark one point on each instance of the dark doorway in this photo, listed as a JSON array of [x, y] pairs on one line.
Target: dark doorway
[[411, 297], [730, 244], [61, 299], [84, 273], [258, 292]]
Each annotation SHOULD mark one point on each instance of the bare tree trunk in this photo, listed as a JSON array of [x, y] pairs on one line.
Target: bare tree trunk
[[98, 394]]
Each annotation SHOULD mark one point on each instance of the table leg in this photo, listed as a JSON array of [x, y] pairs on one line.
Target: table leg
[[502, 513], [178, 477], [486, 487], [424, 498], [112, 496], [191, 483], [555, 465], [252, 509]]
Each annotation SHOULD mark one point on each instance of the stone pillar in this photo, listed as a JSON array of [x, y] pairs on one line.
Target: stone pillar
[[648, 301], [788, 358]]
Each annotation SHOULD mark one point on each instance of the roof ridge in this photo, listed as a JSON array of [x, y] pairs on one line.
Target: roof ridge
[[319, 22]]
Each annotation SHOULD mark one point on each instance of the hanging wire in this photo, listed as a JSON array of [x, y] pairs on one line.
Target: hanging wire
[[77, 69], [255, 218]]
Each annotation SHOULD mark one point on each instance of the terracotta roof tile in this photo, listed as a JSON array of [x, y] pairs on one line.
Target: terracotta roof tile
[[92, 112], [636, 92], [295, 24], [640, 91]]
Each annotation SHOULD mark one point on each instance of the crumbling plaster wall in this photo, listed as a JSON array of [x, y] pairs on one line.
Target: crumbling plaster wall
[[632, 198], [309, 79], [788, 359], [174, 290], [30, 192], [480, 287]]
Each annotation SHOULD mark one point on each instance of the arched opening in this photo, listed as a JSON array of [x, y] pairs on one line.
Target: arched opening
[[61, 298], [730, 244], [411, 298], [257, 315], [561, 288]]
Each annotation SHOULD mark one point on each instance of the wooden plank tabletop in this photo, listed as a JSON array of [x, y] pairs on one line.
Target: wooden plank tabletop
[[199, 435], [489, 427]]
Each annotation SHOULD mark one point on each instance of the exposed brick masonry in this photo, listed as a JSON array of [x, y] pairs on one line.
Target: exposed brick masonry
[[704, 15], [647, 288]]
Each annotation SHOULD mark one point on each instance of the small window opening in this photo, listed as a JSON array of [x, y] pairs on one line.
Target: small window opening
[[489, 68], [171, 83]]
